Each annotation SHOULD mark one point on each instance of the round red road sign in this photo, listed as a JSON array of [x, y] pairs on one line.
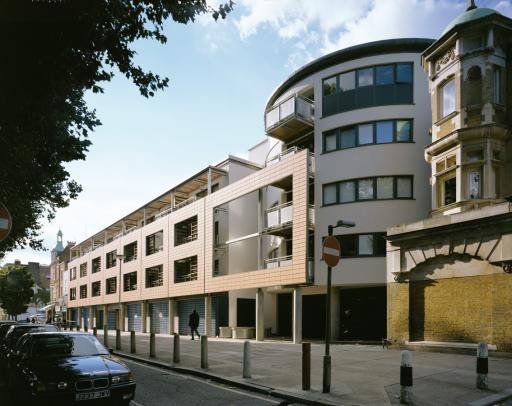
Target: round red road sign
[[331, 251], [5, 222]]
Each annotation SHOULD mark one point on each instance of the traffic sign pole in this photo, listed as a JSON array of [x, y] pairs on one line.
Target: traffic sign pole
[[326, 387]]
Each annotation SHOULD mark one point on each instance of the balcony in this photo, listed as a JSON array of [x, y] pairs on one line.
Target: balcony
[[278, 262], [278, 218], [291, 117]]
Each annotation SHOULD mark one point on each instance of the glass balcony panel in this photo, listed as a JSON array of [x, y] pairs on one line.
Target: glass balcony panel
[[287, 108], [286, 214], [273, 218]]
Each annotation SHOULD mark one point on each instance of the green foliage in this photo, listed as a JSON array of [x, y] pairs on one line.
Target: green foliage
[[15, 289], [41, 297], [53, 51]]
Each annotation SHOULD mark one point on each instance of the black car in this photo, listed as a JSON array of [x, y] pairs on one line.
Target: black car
[[4, 328], [65, 368]]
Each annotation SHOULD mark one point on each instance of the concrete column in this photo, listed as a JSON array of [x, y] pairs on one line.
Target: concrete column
[[80, 318], [105, 316], [172, 311], [92, 317], [297, 315], [146, 323], [260, 316], [335, 313], [121, 317], [208, 316], [125, 313]]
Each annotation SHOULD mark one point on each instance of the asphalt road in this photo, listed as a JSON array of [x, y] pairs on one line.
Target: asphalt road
[[158, 387]]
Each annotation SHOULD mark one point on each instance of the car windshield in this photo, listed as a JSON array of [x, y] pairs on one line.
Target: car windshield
[[13, 337], [66, 346]]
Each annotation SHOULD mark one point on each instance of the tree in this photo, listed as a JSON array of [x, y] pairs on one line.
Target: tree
[[15, 289], [41, 297], [53, 52]]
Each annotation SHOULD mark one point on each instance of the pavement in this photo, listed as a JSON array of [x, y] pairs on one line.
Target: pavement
[[361, 374]]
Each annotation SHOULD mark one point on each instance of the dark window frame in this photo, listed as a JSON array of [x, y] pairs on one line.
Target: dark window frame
[[376, 246], [98, 291], [133, 254], [96, 265], [72, 293], [130, 277], [108, 285], [111, 259], [151, 248], [83, 270], [83, 291], [159, 281]]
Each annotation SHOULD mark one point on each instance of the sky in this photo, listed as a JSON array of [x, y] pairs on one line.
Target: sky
[[221, 75]]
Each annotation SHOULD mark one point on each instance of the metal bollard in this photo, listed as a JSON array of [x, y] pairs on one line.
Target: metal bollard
[[482, 366], [152, 351], [132, 342], [204, 352], [176, 349], [306, 366], [105, 335], [86, 329], [118, 339], [95, 331], [247, 360], [406, 378]]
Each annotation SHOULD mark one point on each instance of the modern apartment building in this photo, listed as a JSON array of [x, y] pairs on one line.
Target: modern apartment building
[[240, 241]]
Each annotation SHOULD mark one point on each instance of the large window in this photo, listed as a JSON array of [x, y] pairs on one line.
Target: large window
[[378, 132], [362, 245], [130, 281], [111, 285], [96, 264], [83, 292], [83, 269], [111, 259], [96, 288], [185, 231], [154, 276], [72, 294], [374, 188], [155, 242], [448, 98], [369, 86], [497, 96], [130, 252], [72, 274], [185, 270]]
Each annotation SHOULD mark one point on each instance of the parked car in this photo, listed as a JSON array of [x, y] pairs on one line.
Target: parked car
[[69, 367]]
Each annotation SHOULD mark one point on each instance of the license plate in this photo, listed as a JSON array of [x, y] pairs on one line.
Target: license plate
[[93, 395]]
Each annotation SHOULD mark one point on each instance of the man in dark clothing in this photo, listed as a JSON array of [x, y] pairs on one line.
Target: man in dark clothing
[[193, 323]]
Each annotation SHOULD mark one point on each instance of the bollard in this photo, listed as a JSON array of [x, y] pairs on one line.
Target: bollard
[[204, 352], [176, 349], [406, 378], [132, 342], [152, 345], [86, 329], [118, 339], [306, 366], [482, 366], [95, 331], [247, 360], [105, 335]]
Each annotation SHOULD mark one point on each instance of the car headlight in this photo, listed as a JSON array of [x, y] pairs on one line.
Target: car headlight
[[122, 378], [62, 385]]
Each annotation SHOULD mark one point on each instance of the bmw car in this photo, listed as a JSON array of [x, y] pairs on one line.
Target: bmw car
[[69, 368]]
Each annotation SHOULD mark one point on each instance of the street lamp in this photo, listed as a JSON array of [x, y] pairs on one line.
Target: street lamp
[[327, 356], [120, 257]]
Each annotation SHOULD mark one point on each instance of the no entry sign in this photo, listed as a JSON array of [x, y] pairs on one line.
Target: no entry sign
[[5, 222], [331, 251]]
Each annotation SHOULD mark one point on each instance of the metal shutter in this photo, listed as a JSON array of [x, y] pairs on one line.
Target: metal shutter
[[185, 307], [159, 314], [99, 319], [74, 315], [134, 317], [85, 316], [112, 320]]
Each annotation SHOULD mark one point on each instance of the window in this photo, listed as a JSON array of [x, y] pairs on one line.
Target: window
[[384, 75], [404, 73], [83, 269], [347, 81], [155, 242], [130, 281], [72, 274], [154, 276], [130, 252], [185, 270], [382, 187], [83, 292], [329, 86], [365, 77], [111, 259], [96, 265], [362, 245], [449, 191], [497, 98], [448, 97], [216, 267], [475, 183], [72, 294], [111, 285], [378, 132], [96, 288], [185, 231]]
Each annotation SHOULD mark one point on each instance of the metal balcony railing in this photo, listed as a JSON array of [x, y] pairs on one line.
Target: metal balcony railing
[[279, 216], [293, 107], [278, 262]]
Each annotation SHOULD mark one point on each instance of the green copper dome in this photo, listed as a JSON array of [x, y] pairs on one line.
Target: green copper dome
[[470, 15]]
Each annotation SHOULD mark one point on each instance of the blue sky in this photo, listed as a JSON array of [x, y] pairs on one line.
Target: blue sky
[[221, 75]]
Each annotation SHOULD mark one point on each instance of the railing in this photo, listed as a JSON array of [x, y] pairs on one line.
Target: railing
[[311, 214], [278, 262], [282, 155], [279, 216], [190, 275], [298, 106]]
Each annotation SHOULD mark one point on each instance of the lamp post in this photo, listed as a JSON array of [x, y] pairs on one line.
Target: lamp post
[[328, 252], [120, 257]]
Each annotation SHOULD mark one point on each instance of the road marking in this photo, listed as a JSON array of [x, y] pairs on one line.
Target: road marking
[[216, 385], [136, 403]]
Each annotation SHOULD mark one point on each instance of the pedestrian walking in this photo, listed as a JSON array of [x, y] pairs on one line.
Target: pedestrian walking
[[193, 323]]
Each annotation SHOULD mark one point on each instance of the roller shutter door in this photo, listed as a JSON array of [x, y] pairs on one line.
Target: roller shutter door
[[112, 320], [74, 315], [134, 317], [99, 319], [85, 317], [185, 307], [159, 314]]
